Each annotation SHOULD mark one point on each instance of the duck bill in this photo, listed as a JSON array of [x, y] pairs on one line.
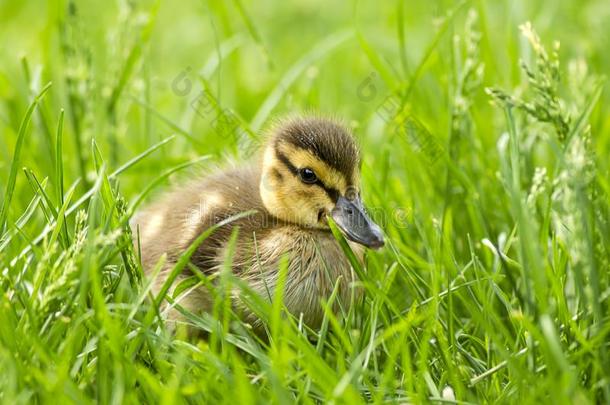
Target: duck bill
[[356, 225]]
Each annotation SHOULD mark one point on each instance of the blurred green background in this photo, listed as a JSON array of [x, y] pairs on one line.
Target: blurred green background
[[452, 319], [88, 45]]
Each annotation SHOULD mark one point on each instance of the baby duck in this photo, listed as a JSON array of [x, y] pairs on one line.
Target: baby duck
[[308, 170]]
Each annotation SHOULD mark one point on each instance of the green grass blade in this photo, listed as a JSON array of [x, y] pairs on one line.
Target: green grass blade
[[10, 186]]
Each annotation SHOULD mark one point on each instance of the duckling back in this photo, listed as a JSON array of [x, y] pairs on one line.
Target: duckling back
[[170, 225]]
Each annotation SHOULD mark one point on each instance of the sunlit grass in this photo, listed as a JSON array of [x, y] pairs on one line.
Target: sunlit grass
[[485, 160]]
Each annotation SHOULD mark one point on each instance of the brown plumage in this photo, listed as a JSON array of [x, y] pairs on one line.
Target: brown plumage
[[308, 170]]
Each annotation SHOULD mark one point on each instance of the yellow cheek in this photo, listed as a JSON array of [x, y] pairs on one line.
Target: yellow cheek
[[291, 200], [301, 203]]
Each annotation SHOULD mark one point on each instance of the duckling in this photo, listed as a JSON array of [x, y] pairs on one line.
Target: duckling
[[308, 170]]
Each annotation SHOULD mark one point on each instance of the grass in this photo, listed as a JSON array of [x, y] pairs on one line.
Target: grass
[[485, 150]]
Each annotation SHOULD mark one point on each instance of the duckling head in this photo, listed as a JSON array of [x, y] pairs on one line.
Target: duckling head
[[311, 170]]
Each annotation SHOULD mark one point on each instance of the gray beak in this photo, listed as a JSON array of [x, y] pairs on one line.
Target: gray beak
[[354, 222]]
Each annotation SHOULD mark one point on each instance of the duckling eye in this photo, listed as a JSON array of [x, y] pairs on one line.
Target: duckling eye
[[307, 176]]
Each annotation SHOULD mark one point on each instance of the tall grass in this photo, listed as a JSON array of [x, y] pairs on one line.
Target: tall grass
[[485, 151]]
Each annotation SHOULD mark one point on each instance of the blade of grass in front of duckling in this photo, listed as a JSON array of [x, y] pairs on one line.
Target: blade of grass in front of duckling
[[12, 178], [185, 257], [244, 394], [278, 339], [317, 367], [135, 344], [147, 288], [244, 340], [358, 267], [222, 304], [277, 304], [323, 332], [375, 307], [329, 314], [394, 349], [259, 304], [321, 341], [347, 250]]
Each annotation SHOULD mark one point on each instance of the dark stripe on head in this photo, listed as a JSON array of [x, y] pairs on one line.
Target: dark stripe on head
[[333, 193]]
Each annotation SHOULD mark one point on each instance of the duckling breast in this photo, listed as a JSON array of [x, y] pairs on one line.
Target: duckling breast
[[316, 266]]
